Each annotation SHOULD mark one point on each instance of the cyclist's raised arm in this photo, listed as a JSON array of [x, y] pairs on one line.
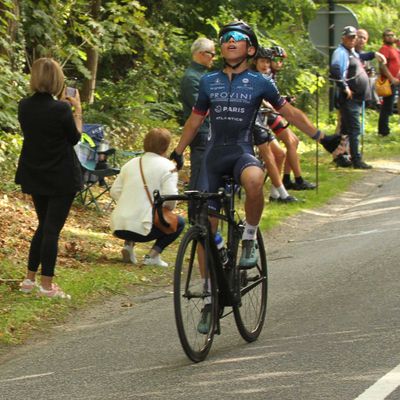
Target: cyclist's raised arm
[[298, 119], [301, 121]]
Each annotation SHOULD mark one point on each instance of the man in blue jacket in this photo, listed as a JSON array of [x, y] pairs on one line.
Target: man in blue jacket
[[353, 88]]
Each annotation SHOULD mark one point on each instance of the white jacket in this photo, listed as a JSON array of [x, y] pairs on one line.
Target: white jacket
[[133, 211]]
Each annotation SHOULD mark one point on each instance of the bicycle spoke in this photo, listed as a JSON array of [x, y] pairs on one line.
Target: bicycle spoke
[[250, 315], [191, 293]]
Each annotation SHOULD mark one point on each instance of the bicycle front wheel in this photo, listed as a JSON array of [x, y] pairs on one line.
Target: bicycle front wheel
[[250, 314], [195, 298]]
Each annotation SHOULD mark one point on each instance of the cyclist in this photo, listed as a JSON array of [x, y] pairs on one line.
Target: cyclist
[[276, 55], [232, 98], [270, 151]]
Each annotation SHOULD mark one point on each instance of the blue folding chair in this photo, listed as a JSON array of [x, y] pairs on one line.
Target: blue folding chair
[[93, 175]]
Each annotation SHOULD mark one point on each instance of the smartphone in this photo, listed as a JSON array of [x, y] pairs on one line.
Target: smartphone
[[70, 92]]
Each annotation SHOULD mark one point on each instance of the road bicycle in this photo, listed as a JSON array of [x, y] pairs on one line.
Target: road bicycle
[[205, 290]]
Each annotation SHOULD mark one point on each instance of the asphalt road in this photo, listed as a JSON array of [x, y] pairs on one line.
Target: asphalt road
[[332, 331]]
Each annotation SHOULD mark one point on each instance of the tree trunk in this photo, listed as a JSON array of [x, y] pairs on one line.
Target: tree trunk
[[92, 53], [89, 85]]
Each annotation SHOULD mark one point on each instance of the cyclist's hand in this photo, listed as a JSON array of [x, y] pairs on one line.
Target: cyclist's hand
[[178, 158], [331, 142]]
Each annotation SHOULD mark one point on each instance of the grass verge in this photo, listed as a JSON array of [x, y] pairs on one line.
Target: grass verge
[[89, 266]]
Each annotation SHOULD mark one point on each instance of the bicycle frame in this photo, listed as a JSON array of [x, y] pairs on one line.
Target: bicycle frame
[[204, 286], [228, 277]]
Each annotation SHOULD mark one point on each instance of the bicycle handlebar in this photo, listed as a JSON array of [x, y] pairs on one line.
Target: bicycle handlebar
[[187, 196]]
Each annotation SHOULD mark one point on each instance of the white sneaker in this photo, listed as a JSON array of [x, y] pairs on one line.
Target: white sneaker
[[154, 261], [54, 293], [128, 255], [27, 286]]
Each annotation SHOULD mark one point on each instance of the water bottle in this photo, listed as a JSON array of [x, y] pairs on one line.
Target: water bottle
[[223, 254]]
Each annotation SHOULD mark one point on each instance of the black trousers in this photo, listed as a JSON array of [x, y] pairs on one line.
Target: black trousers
[[52, 212], [385, 113]]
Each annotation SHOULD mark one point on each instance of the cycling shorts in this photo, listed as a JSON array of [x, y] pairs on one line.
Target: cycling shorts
[[224, 160], [261, 136]]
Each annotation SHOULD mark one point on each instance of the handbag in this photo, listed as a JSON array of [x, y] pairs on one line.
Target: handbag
[[169, 221], [383, 87]]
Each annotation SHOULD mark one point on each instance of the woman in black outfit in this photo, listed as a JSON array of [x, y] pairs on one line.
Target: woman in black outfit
[[48, 168]]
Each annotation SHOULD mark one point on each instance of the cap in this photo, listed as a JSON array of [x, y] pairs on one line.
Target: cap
[[349, 31]]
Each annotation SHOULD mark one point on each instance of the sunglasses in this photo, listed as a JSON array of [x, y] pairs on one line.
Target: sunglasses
[[235, 35], [389, 34], [212, 54]]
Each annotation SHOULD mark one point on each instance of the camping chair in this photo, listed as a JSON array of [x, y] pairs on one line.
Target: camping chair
[[92, 176]]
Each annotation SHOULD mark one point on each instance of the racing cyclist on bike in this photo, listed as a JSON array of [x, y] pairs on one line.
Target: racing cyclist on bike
[[232, 98]]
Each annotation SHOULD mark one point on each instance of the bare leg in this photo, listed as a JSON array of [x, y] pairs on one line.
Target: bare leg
[[31, 275], [292, 161], [279, 154], [46, 282], [252, 180], [201, 252], [269, 160]]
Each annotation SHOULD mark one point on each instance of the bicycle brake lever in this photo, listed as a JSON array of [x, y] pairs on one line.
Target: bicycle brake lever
[[157, 198]]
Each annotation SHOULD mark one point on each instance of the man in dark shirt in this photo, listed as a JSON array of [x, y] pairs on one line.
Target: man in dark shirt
[[353, 84], [366, 57], [203, 53]]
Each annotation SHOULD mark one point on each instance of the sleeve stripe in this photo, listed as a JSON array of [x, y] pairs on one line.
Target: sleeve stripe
[[198, 112], [278, 107]]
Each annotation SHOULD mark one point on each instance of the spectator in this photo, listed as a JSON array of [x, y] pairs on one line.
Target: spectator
[[390, 71], [132, 218], [270, 151], [366, 57], [48, 168], [353, 88], [344, 160], [203, 53]]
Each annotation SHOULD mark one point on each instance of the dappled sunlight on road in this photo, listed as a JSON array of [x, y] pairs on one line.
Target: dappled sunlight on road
[[367, 213], [378, 200]]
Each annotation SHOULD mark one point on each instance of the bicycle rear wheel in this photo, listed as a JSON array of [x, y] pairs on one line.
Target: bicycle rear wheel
[[193, 292], [250, 315]]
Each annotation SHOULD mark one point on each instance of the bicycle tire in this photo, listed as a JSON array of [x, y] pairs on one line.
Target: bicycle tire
[[250, 314], [189, 296]]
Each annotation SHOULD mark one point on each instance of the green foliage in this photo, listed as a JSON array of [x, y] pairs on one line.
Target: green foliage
[[375, 16], [10, 145], [143, 48], [12, 80], [12, 88]]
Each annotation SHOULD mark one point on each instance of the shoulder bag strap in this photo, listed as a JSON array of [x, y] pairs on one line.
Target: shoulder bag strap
[[144, 182]]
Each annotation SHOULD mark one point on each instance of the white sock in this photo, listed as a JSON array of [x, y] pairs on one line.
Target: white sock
[[282, 192], [250, 232], [274, 192], [207, 284]]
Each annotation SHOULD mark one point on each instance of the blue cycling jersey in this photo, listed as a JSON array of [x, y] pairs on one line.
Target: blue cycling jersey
[[233, 104]]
